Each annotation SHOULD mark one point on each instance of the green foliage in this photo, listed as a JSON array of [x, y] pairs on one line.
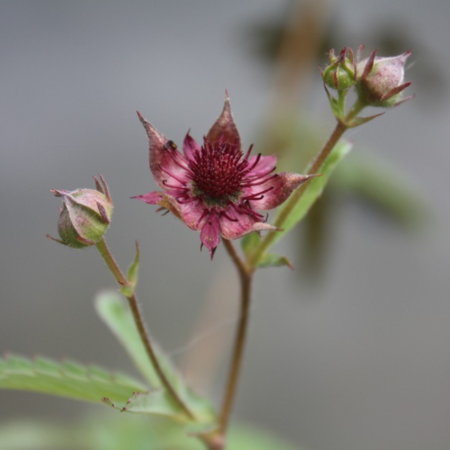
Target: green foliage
[[117, 317], [156, 402], [273, 260], [373, 181], [119, 432], [66, 379], [91, 383], [314, 189], [249, 244]]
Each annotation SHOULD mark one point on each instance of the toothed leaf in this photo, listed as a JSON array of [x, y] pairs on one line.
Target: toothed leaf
[[116, 315], [66, 379], [156, 402]]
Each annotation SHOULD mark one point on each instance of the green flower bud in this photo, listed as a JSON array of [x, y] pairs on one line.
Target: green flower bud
[[85, 215], [340, 74]]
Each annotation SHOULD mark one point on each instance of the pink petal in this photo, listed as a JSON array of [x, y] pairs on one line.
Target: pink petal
[[162, 164], [190, 146], [189, 213], [283, 184], [210, 235], [192, 213], [265, 165], [224, 128], [241, 224]]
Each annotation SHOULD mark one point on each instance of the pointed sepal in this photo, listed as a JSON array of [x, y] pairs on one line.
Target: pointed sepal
[[132, 276], [224, 128]]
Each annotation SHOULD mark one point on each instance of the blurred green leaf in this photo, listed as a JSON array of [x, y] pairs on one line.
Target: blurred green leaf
[[314, 189], [114, 312], [123, 432], [67, 379], [249, 243], [157, 402], [26, 435], [273, 260], [376, 183]]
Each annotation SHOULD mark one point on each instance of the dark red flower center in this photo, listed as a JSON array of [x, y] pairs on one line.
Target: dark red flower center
[[218, 171]]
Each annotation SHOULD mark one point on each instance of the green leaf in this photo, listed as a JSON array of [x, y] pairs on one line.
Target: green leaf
[[27, 435], [119, 432], [250, 243], [273, 260], [117, 317], [132, 277], [67, 379], [114, 313], [98, 431], [314, 189], [379, 184], [156, 402]]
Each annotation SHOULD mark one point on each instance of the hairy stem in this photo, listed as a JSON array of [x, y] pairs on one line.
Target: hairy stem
[[245, 276], [140, 324]]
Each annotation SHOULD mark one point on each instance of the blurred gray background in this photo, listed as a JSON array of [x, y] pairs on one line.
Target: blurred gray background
[[360, 362]]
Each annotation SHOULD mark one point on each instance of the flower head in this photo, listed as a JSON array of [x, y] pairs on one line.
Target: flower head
[[214, 188]]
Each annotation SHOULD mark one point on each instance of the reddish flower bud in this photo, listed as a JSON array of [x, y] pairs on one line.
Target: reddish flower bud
[[85, 215], [380, 80]]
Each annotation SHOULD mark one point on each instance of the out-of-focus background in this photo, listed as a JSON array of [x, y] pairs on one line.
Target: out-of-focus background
[[357, 359]]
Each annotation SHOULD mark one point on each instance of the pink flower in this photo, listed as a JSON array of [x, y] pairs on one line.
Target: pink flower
[[215, 188]]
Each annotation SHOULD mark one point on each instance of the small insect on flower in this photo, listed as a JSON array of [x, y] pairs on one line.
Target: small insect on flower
[[170, 145], [214, 188]]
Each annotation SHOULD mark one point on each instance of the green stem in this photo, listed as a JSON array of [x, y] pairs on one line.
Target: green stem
[[105, 253], [341, 127], [245, 275]]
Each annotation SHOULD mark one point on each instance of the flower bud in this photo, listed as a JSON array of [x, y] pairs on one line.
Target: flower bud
[[340, 74], [85, 215], [380, 80]]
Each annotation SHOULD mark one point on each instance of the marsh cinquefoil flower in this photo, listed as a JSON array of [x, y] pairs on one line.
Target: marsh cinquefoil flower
[[215, 188]]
